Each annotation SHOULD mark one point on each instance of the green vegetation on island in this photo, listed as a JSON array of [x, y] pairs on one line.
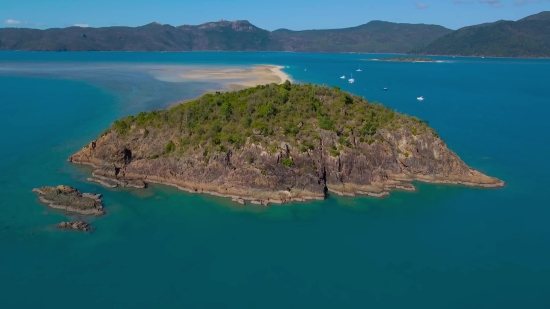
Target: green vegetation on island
[[527, 37], [240, 35], [269, 114]]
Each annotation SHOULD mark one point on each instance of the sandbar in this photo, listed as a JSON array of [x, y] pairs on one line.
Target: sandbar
[[240, 78]]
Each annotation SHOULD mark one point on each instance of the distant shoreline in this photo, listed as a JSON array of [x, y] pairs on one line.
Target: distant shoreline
[[406, 59], [237, 78], [294, 52]]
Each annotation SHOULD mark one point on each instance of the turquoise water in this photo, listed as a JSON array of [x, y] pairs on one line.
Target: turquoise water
[[441, 247]]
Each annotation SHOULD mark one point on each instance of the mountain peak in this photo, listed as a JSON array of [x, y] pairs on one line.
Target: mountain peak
[[237, 25], [545, 15]]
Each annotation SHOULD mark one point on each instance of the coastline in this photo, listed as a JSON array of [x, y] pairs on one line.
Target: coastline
[[380, 189]]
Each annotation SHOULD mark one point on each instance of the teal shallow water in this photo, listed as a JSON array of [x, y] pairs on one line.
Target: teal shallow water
[[443, 246]]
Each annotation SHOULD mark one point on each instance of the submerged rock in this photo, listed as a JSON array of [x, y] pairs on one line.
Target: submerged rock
[[76, 225], [71, 200], [104, 182], [239, 201]]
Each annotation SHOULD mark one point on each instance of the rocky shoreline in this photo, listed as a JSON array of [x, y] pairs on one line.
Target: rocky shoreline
[[71, 200], [338, 171]]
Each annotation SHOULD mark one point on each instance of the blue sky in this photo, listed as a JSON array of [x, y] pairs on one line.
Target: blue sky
[[270, 15]]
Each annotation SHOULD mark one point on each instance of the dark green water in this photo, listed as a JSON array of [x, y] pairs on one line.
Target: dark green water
[[440, 247]]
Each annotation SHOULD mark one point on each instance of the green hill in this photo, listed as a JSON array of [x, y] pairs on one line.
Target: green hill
[[373, 37], [527, 37], [222, 36]]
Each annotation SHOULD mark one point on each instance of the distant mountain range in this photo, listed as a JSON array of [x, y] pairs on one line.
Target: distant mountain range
[[528, 37], [376, 36], [373, 37]]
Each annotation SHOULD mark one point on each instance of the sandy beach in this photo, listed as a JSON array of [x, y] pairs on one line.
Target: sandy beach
[[237, 78]]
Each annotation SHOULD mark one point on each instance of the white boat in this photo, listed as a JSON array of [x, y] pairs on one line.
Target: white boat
[[343, 77], [420, 98], [359, 70], [385, 88], [351, 80]]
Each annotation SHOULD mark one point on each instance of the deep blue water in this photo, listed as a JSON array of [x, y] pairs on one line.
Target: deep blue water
[[440, 247]]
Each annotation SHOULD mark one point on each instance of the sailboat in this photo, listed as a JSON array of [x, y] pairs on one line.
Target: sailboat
[[359, 70], [343, 77], [420, 98], [351, 80]]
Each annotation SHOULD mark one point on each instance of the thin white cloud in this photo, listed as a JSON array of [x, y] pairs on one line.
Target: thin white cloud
[[11, 22], [522, 2], [420, 5], [81, 25], [493, 3]]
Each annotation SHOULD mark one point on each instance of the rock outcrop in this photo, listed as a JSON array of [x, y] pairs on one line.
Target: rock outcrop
[[277, 144], [256, 174], [71, 200], [75, 225]]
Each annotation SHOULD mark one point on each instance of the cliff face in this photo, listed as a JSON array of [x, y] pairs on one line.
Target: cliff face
[[261, 175]]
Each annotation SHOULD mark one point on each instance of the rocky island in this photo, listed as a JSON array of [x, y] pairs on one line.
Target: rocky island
[[76, 226], [71, 200], [406, 59], [278, 144]]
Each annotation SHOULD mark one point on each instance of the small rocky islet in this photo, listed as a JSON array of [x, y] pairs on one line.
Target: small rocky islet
[[71, 200], [276, 144], [75, 225]]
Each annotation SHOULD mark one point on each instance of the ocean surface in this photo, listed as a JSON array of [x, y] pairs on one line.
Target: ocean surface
[[440, 247]]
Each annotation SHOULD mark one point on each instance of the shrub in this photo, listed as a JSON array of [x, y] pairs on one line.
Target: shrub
[[121, 127], [326, 123], [287, 162], [334, 152], [169, 147]]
